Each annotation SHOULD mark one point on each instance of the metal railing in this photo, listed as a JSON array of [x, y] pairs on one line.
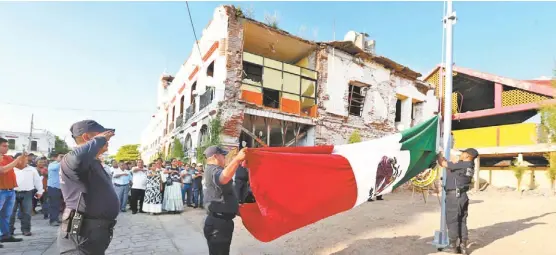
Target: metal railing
[[179, 121], [171, 127], [206, 98], [189, 113]]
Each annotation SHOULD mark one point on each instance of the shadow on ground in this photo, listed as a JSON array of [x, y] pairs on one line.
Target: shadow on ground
[[419, 246]]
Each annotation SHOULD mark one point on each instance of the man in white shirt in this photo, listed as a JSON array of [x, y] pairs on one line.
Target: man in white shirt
[[121, 177], [28, 179], [139, 184]]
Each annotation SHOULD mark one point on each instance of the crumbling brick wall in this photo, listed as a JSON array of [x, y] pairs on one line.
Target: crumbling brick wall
[[231, 112], [335, 129]]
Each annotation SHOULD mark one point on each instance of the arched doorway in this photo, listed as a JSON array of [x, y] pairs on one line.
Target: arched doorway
[[187, 146], [204, 135]]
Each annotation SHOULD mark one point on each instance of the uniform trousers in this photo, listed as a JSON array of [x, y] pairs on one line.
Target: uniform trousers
[[94, 238], [218, 232], [456, 215]]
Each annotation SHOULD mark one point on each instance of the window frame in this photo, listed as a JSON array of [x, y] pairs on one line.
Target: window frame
[[282, 71], [350, 99]]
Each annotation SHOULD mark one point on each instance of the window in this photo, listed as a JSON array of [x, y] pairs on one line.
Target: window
[[11, 144], [210, 70], [398, 111], [271, 98], [274, 84], [252, 74], [173, 113], [33, 145], [181, 104], [356, 100], [192, 100]]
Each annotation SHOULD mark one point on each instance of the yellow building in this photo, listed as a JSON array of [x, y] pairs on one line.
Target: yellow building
[[499, 117]]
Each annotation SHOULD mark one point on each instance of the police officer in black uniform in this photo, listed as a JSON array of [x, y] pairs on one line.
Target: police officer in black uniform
[[458, 180], [91, 202], [220, 199]]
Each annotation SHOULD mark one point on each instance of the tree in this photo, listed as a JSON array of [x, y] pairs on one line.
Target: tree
[[177, 150], [215, 128], [548, 124], [60, 146], [551, 171], [355, 137], [127, 153], [519, 171]]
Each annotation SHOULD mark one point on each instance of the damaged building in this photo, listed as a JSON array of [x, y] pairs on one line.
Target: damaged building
[[500, 117], [271, 88]]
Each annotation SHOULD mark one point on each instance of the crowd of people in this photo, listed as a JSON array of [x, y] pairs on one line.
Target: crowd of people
[[157, 188], [25, 183]]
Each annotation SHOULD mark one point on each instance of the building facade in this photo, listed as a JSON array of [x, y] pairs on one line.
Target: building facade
[[500, 117], [271, 88], [41, 143]]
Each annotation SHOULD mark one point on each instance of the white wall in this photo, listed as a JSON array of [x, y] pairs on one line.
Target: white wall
[[45, 142], [216, 31], [341, 70]]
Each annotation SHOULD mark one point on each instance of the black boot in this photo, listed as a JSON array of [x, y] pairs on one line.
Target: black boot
[[452, 247], [463, 247]]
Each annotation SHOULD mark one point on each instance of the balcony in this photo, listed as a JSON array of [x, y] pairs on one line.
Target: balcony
[[206, 98], [189, 113], [179, 121], [171, 127], [498, 136]]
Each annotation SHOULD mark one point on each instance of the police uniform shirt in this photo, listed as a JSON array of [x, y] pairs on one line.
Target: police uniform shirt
[[80, 171], [456, 172], [219, 198]]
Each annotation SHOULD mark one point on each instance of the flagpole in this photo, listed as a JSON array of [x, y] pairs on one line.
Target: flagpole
[[441, 236]]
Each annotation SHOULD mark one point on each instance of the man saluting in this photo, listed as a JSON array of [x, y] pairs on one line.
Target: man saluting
[[91, 202]]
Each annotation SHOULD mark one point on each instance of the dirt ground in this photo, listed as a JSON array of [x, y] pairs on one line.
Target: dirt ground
[[500, 222]]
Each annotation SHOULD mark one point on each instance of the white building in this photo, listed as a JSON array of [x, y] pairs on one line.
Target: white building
[[276, 89], [41, 143]]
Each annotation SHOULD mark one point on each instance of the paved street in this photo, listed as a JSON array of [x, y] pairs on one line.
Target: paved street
[[134, 234]]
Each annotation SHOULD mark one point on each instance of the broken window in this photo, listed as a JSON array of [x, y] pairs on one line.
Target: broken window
[[252, 74], [356, 100], [33, 145], [398, 110], [210, 70], [271, 98]]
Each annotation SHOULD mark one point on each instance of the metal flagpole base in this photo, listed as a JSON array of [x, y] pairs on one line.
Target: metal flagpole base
[[440, 240]]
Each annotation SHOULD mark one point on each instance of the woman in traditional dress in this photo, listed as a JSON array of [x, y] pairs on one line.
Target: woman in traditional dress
[[173, 202], [153, 194]]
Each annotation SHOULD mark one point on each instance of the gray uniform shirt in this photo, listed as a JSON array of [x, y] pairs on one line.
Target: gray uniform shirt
[[456, 173], [218, 198], [81, 172]]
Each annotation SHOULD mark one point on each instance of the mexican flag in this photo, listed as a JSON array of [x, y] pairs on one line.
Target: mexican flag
[[297, 186]]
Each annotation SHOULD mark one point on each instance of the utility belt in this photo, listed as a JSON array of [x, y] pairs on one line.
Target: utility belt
[[457, 191], [224, 216], [75, 223]]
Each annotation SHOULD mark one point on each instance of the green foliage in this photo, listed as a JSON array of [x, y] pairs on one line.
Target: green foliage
[[551, 171], [60, 146], [215, 129], [177, 149], [355, 137], [127, 153], [519, 171], [548, 118], [272, 20]]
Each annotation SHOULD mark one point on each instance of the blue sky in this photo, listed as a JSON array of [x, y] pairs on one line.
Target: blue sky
[[60, 56]]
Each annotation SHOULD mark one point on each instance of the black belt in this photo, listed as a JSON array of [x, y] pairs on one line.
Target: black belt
[[224, 216], [6, 189], [121, 185]]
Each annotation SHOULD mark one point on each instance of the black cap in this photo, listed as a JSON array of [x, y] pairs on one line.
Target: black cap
[[86, 126], [472, 152], [213, 150]]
